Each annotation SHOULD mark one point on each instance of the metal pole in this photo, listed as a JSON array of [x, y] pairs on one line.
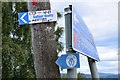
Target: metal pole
[[71, 73], [93, 69]]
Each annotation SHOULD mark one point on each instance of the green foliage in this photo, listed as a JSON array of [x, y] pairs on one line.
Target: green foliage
[[13, 58], [59, 15], [16, 40], [7, 18], [58, 34], [81, 76]]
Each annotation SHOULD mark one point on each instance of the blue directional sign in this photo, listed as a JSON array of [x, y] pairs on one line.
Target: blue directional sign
[[23, 18], [32, 17], [82, 39], [68, 61]]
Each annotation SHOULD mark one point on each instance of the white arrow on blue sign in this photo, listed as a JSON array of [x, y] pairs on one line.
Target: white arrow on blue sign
[[23, 18], [33, 17], [68, 61]]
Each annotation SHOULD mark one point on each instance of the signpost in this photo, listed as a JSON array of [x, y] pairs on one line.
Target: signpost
[[68, 61], [72, 72], [32, 17], [82, 40]]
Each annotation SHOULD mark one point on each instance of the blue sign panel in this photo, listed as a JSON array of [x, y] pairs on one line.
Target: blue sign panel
[[68, 61], [82, 39], [23, 18], [33, 17]]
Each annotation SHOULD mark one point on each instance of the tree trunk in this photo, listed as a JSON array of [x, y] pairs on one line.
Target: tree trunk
[[44, 45]]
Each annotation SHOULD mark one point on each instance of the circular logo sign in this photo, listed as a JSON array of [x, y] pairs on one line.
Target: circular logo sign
[[71, 60]]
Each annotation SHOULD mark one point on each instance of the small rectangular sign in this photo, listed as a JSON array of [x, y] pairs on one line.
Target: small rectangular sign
[[32, 17]]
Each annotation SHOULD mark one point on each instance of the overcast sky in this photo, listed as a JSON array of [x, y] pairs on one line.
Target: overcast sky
[[101, 17]]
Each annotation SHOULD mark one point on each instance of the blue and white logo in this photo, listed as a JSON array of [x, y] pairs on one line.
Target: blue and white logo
[[23, 18], [71, 60]]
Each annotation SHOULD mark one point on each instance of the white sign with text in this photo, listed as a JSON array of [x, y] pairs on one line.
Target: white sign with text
[[32, 17], [42, 16]]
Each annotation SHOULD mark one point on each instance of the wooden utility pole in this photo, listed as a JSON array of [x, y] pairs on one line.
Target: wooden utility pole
[[44, 44]]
